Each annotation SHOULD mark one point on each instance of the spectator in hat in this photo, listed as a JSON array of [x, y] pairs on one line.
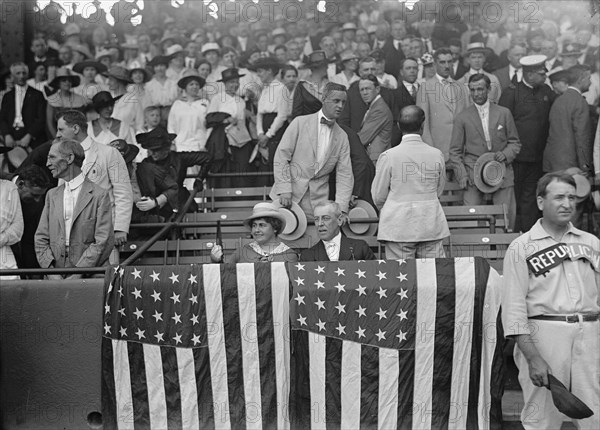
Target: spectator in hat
[[250, 85], [177, 67], [476, 57], [11, 225], [104, 166], [549, 48], [329, 47], [80, 53], [127, 108], [39, 81], [512, 73], [161, 91], [161, 175], [307, 97], [535, 39], [376, 129], [88, 86], [559, 81], [64, 98], [348, 74], [139, 78], [410, 178], [130, 154], [550, 307], [211, 52], [570, 54], [65, 55], [23, 118], [279, 37], [76, 225], [529, 102], [106, 128], [348, 42], [485, 128], [236, 132], [385, 80]]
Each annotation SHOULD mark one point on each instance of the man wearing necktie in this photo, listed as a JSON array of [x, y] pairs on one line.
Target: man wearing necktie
[[75, 228], [311, 148], [482, 128], [376, 129]]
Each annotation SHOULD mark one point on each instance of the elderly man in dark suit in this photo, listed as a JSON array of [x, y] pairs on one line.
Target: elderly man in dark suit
[[23, 112], [75, 228], [512, 73], [482, 128], [334, 246]]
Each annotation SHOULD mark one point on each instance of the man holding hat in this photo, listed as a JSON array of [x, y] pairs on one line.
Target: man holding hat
[[484, 144], [477, 54], [551, 308], [529, 101]]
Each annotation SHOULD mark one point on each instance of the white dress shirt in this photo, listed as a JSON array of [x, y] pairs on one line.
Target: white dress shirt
[[512, 71], [19, 100], [70, 197], [484, 115], [411, 88], [161, 94], [323, 139], [332, 247]]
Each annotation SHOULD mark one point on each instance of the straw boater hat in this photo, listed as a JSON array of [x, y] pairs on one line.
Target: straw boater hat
[[566, 402], [210, 46], [295, 221], [174, 50], [128, 151], [262, 210], [583, 188], [72, 29], [104, 53], [349, 26], [278, 32], [488, 173], [119, 73], [156, 139], [64, 74], [362, 209], [83, 50], [229, 74], [78, 68], [474, 47], [348, 55]]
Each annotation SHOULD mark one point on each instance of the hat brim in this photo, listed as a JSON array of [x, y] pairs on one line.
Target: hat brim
[[295, 221], [118, 78], [567, 402], [161, 59], [140, 69], [183, 82], [361, 229], [316, 64], [75, 81], [79, 67], [229, 78], [276, 213], [131, 153], [478, 170], [485, 51]]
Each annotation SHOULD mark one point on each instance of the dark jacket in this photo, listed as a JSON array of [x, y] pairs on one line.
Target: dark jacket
[[33, 112], [351, 249]]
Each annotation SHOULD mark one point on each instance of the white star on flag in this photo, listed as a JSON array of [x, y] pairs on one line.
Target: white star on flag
[[402, 277], [194, 319], [106, 329], [110, 287], [137, 293], [136, 274], [302, 320], [176, 318], [401, 336], [402, 315], [320, 269], [380, 335], [177, 338], [122, 312], [157, 316], [159, 336], [192, 279], [193, 299], [120, 291], [381, 275], [320, 303], [381, 261], [138, 313], [174, 278], [361, 311], [175, 298], [403, 294], [381, 293], [360, 332], [156, 296], [299, 299], [361, 291], [123, 331], [196, 339], [321, 325], [300, 266], [341, 308], [381, 314], [154, 276], [341, 329], [401, 262], [360, 273], [121, 272], [107, 309], [116, 269], [340, 287], [299, 281], [140, 333], [340, 271], [319, 284]]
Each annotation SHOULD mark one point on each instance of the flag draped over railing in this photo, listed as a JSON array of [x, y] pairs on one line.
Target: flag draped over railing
[[388, 344]]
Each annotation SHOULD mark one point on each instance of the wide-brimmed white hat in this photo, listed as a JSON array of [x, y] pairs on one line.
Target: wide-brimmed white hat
[[488, 173], [265, 209]]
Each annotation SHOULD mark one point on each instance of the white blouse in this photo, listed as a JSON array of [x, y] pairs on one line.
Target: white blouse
[[188, 121], [274, 98], [161, 94]]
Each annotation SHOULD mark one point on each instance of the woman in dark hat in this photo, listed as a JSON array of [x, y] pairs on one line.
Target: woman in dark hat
[[237, 135], [140, 76], [307, 96], [129, 153], [106, 128], [161, 91], [127, 108], [89, 87], [187, 119], [63, 99]]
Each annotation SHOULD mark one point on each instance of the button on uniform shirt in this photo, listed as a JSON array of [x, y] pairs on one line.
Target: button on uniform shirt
[[70, 197], [323, 139], [484, 115], [571, 287], [332, 247]]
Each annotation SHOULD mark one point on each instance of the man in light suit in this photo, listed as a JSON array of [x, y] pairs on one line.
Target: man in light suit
[[409, 179], [105, 167], [485, 127], [333, 245], [23, 118], [310, 149], [75, 228], [376, 129], [441, 98]]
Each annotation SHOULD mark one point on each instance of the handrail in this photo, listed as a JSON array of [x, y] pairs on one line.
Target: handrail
[[146, 245], [54, 271]]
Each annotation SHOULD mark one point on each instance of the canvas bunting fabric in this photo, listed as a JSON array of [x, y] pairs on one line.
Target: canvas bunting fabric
[[386, 344]]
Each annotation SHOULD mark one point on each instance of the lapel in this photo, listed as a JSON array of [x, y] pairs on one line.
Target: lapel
[[90, 158], [333, 143], [314, 139], [345, 253], [85, 196], [320, 253], [477, 122], [494, 120]]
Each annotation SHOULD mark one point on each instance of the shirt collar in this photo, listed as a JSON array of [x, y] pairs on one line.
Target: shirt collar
[[322, 115], [76, 182], [86, 143], [512, 70], [573, 88], [483, 107], [472, 71], [538, 231], [439, 78], [335, 240]]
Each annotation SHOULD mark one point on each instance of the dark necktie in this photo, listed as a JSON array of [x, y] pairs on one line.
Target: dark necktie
[[514, 79], [327, 122]]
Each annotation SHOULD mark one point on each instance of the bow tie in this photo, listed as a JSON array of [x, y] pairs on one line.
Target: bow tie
[[327, 122]]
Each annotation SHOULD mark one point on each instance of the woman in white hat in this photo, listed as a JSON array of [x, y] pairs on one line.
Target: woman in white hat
[[265, 224], [348, 74], [64, 98]]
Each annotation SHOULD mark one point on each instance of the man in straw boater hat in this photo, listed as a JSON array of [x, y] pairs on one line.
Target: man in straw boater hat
[[551, 308], [484, 144], [477, 54]]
